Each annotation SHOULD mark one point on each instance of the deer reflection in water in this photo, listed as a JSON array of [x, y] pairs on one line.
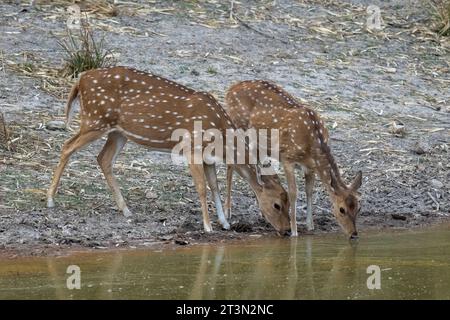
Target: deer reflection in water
[[270, 273], [311, 267], [271, 269]]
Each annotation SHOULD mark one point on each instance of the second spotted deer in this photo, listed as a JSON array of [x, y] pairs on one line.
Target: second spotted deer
[[126, 104], [303, 141]]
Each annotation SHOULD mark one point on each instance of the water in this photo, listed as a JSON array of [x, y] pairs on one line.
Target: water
[[414, 265]]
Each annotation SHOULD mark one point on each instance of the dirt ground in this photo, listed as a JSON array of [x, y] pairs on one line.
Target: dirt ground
[[319, 51]]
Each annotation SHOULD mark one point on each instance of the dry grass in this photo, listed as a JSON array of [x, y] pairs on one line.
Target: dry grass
[[440, 10], [102, 8], [83, 52], [5, 142], [51, 78]]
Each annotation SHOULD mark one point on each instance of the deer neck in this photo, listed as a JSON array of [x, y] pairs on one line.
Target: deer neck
[[248, 173], [243, 167], [327, 169]]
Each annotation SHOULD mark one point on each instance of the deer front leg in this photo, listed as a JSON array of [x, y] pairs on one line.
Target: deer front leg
[[198, 175], [310, 177], [211, 177], [228, 194], [70, 146], [106, 159], [289, 169]]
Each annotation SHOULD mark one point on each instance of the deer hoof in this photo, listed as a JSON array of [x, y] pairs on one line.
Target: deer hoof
[[127, 212], [226, 225], [50, 203]]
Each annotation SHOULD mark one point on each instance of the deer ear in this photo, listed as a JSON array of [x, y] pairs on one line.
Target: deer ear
[[334, 182], [356, 183], [258, 176], [270, 178]]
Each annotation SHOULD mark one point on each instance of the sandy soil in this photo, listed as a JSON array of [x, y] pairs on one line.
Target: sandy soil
[[320, 51]]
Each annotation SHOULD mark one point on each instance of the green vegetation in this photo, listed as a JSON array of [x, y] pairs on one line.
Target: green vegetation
[[211, 71], [83, 52]]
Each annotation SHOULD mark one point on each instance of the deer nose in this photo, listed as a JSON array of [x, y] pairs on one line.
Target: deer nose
[[285, 233], [354, 236]]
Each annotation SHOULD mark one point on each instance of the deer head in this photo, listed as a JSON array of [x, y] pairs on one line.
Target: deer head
[[274, 203], [346, 204]]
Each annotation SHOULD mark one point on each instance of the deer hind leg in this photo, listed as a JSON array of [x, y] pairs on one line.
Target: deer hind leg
[[211, 177], [310, 177], [198, 175], [70, 146], [106, 159], [289, 169], [228, 194]]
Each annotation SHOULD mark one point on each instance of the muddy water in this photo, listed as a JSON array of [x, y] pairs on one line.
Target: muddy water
[[413, 264]]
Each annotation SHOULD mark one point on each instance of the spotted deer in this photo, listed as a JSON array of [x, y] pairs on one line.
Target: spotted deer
[[126, 104], [303, 141]]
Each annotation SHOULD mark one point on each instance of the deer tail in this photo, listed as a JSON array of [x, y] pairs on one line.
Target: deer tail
[[72, 96]]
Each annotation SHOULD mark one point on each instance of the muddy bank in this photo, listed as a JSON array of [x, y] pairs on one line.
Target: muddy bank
[[360, 81], [61, 245]]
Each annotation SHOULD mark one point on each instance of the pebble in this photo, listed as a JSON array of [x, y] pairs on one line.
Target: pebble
[[55, 125], [390, 70], [436, 184], [151, 195], [420, 148], [181, 242], [397, 128]]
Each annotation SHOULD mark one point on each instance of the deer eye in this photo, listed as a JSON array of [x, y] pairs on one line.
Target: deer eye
[[342, 210], [277, 206]]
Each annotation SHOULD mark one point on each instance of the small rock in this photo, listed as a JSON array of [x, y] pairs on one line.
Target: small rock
[[436, 184], [397, 216], [151, 195], [166, 238], [397, 128], [195, 72], [420, 148], [417, 216], [390, 70], [55, 125], [181, 242]]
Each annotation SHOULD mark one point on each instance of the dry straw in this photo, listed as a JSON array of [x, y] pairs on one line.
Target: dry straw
[[440, 10], [83, 52], [4, 135]]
